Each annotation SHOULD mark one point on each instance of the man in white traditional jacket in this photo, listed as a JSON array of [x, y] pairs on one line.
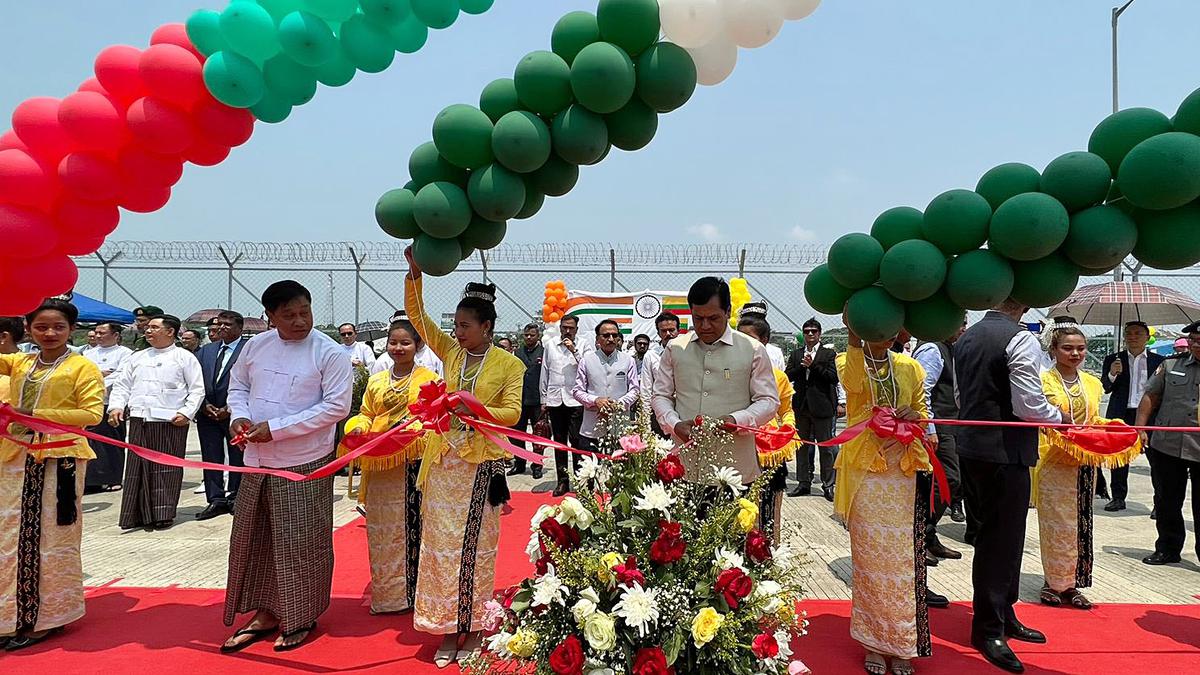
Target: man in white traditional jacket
[[108, 469]]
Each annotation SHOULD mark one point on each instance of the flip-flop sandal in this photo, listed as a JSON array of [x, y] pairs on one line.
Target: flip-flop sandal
[[23, 641], [902, 668], [257, 634], [1076, 599], [875, 667], [1050, 597], [292, 633], [444, 657]]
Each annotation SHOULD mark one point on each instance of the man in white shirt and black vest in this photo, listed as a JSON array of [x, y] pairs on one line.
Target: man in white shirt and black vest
[[1124, 377]]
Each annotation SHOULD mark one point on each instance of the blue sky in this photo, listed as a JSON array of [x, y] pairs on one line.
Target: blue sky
[[865, 105]]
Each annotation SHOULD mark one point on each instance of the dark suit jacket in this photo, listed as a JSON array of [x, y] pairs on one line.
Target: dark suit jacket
[[1118, 389], [815, 386], [216, 389]]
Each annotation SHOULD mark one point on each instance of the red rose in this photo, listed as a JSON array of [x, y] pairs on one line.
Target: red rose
[[734, 586], [651, 661], [506, 596], [669, 546], [564, 537], [765, 646], [670, 469], [758, 546], [628, 573], [567, 657]]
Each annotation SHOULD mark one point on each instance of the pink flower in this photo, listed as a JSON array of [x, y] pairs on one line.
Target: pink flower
[[494, 615], [797, 667], [630, 444]]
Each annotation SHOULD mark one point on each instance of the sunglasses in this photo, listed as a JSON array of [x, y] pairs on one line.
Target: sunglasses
[[347, 334]]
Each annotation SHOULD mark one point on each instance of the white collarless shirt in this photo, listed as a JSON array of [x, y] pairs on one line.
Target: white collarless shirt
[[158, 384]]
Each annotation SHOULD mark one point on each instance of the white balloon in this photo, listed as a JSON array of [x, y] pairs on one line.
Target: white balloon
[[794, 10], [753, 23], [690, 23], [715, 60]]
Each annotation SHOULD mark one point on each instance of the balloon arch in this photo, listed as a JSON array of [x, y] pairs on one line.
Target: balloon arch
[[68, 166]]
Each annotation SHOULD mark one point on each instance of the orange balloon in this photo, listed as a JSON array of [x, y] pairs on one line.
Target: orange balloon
[[555, 316]]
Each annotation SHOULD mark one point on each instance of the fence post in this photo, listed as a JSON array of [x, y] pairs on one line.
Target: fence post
[[104, 279], [483, 262], [229, 263], [742, 264], [612, 270], [357, 280]]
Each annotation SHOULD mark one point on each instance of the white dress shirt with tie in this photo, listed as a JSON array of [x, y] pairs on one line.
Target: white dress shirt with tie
[[158, 384]]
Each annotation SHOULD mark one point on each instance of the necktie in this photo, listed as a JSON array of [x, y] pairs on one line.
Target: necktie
[[220, 361]]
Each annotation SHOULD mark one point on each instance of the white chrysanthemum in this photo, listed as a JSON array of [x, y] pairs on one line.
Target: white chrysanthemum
[[654, 497], [638, 607], [663, 446], [600, 670], [768, 592], [548, 589], [533, 549], [729, 478], [783, 556], [544, 511], [784, 640], [589, 469], [572, 512], [498, 644], [725, 559]]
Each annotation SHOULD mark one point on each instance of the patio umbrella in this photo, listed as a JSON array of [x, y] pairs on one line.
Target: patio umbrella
[[371, 330], [250, 324], [1116, 302]]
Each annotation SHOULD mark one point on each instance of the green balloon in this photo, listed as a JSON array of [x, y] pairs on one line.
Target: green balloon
[[1187, 118], [463, 135], [204, 30], [1100, 237], [533, 204], [386, 12], [823, 293], [632, 25], [409, 35], [467, 251], [556, 177], [271, 108], [1162, 172], [1116, 199], [307, 40], [437, 257], [426, 166], [573, 32], [874, 315], [543, 82], [281, 8], [394, 213], [436, 14], [234, 79], [854, 260], [289, 80], [499, 98], [337, 71], [666, 76], [249, 30], [1168, 240], [442, 210], [633, 126], [979, 279], [1077, 179], [483, 234], [1118, 133], [956, 221], [897, 224], [475, 7], [367, 45], [496, 193], [333, 10], [603, 78], [521, 141], [1007, 180], [934, 319], [1044, 282], [580, 136], [1029, 226], [912, 270]]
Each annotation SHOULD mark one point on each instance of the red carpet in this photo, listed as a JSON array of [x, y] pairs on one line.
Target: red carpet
[[178, 630]]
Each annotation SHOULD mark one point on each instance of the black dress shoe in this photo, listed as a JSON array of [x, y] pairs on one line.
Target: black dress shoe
[[930, 561], [514, 470], [1160, 558], [1115, 505], [213, 510], [1016, 630], [997, 652], [936, 600], [827, 493], [1154, 513], [939, 550], [536, 471], [162, 524], [957, 514], [560, 489], [799, 491]]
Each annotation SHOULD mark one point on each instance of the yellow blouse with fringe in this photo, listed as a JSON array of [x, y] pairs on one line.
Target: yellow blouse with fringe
[[864, 454], [785, 415], [1053, 446], [498, 386], [382, 408], [73, 395]]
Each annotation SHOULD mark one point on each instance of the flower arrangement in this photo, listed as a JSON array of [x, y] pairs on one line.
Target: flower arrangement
[[648, 572]]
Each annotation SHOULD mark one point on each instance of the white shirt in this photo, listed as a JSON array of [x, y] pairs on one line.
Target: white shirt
[[158, 384], [559, 368], [300, 388], [776, 354], [359, 351], [1138, 375], [230, 348], [108, 360], [649, 371], [424, 357], [1025, 359]]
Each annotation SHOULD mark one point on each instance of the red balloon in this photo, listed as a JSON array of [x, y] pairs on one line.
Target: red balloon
[[203, 153], [9, 141], [12, 304], [24, 181], [77, 218], [117, 70], [35, 122], [142, 168], [26, 233], [160, 126], [174, 34], [79, 245], [146, 199], [45, 276], [93, 85], [221, 124], [173, 74], [93, 121], [89, 176]]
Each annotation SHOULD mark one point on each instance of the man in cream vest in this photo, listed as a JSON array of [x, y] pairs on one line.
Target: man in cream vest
[[717, 372]]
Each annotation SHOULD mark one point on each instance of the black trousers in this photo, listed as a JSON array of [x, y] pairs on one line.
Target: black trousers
[[1120, 475], [998, 496], [947, 454], [215, 447], [817, 429], [529, 417], [1170, 476], [564, 425]]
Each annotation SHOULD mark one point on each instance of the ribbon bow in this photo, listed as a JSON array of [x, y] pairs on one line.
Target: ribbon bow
[[886, 424], [434, 407]]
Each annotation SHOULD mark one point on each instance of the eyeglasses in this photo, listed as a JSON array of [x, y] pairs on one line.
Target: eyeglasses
[[811, 330], [347, 334], [610, 337]]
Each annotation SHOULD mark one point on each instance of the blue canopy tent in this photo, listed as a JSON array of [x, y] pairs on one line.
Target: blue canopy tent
[[92, 310]]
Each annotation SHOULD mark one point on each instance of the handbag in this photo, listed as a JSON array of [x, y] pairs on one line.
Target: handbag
[[541, 428]]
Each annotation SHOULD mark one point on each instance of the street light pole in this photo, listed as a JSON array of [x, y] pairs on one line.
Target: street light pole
[[1118, 273]]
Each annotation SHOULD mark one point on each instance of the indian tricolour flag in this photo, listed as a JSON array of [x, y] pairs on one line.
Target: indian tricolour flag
[[634, 312]]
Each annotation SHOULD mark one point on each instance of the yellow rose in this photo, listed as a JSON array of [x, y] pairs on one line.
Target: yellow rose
[[747, 517], [705, 626], [599, 630], [522, 643], [607, 562], [786, 613]]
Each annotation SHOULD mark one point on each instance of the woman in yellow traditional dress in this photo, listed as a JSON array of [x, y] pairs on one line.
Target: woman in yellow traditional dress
[[1065, 477], [877, 497], [462, 472], [389, 483], [41, 575]]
